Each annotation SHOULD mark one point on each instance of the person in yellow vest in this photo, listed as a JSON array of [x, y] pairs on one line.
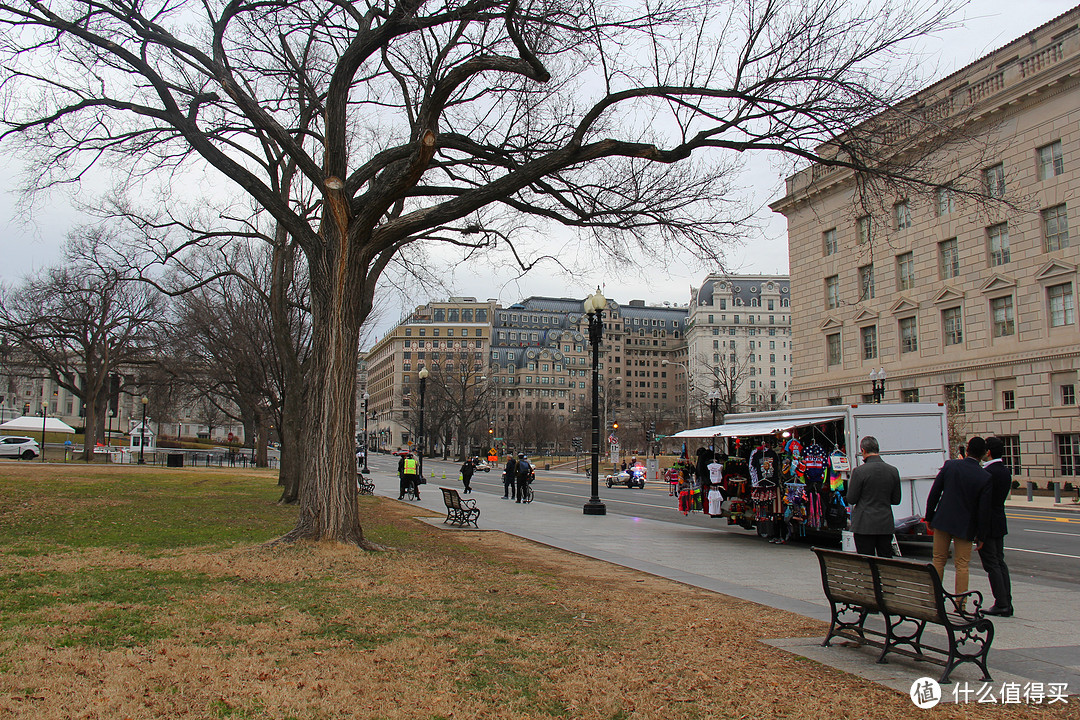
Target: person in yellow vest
[[409, 477]]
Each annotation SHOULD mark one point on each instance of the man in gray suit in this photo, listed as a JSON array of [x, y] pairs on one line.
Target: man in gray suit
[[873, 489]]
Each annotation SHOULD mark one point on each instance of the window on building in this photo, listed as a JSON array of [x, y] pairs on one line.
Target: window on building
[[1001, 310], [869, 342], [902, 214], [956, 397], [1008, 399], [1050, 161], [909, 335], [1068, 394], [949, 252], [1068, 448], [866, 282], [946, 200], [1055, 224], [832, 292], [863, 229], [909, 395], [994, 180], [828, 240], [905, 271], [832, 349], [1060, 299], [1010, 454], [952, 322], [997, 241]]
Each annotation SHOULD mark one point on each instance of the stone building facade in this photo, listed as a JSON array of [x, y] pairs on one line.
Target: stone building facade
[[960, 301]]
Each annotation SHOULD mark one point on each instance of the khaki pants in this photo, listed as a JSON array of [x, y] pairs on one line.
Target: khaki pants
[[961, 557]]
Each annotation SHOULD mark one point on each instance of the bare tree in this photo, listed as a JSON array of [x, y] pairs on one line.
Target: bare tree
[[80, 322], [457, 389], [414, 122]]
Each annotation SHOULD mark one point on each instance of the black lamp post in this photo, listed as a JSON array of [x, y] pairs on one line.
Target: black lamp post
[[44, 417], [367, 440], [420, 440], [142, 430], [594, 307], [877, 379]]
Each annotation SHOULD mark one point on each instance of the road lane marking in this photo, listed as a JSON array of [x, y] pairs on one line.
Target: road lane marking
[[1052, 532], [1043, 552]]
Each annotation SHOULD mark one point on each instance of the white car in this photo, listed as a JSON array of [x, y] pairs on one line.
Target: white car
[[19, 446]]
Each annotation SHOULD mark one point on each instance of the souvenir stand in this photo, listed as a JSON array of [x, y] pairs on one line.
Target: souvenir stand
[[780, 478]]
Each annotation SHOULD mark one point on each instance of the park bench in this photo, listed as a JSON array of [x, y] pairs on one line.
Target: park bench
[[460, 512], [364, 486], [909, 596]]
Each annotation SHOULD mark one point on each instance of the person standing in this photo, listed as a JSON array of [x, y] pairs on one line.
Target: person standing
[[958, 510], [992, 552], [524, 471], [509, 477], [874, 487], [401, 477], [467, 470]]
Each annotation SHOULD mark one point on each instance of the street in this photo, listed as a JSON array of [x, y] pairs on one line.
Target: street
[[1043, 545]]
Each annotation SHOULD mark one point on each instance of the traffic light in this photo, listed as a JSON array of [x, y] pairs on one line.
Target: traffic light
[[614, 426]]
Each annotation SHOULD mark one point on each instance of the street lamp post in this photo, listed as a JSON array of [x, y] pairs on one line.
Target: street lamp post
[[877, 380], [420, 441], [714, 405], [142, 430], [367, 439], [44, 417], [594, 308]]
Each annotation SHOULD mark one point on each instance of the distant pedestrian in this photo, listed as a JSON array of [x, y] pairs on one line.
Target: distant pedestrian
[[992, 552], [958, 509], [467, 470], [524, 476], [401, 477], [510, 477], [874, 487]]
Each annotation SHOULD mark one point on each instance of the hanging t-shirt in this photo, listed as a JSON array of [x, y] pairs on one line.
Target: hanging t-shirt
[[715, 500], [816, 460], [794, 450], [767, 463], [716, 473]]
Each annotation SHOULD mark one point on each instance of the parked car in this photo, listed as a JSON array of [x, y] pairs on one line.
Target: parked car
[[401, 453], [19, 446]]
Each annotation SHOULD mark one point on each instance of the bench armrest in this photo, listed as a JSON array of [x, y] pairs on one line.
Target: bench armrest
[[469, 503], [959, 603]]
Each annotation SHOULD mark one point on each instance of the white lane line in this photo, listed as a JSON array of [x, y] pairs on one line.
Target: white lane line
[[1052, 532], [1043, 552]]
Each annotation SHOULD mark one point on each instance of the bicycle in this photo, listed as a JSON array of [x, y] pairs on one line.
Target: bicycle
[[527, 497]]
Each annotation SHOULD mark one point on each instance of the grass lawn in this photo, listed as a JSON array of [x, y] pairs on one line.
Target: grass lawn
[[136, 592]]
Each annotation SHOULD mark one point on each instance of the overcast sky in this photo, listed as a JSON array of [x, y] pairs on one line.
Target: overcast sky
[[32, 242]]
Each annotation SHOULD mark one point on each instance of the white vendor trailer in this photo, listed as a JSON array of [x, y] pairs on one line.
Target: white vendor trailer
[[913, 437]]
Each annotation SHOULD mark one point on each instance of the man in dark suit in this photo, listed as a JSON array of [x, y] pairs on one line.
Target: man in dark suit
[[873, 489], [992, 552], [958, 510]]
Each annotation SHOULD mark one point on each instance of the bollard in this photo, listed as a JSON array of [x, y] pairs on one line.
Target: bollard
[[1031, 490], [1057, 491]]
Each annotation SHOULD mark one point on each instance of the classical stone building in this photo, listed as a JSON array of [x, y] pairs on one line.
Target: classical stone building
[[739, 342], [962, 301]]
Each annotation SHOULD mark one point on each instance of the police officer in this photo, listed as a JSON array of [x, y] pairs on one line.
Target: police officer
[[509, 477], [524, 470]]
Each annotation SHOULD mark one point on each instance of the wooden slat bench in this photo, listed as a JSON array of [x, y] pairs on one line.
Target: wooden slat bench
[[364, 486], [460, 512], [909, 596]]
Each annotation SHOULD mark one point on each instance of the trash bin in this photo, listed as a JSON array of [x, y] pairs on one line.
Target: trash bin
[[174, 460], [547, 466]]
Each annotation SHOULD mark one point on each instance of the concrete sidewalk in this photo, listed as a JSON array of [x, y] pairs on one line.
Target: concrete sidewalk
[[1040, 644]]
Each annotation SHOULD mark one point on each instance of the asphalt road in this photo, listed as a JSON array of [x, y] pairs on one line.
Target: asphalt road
[[1042, 546]]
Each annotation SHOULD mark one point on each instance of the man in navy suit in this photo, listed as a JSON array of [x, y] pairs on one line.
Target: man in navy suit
[[958, 510], [992, 552]]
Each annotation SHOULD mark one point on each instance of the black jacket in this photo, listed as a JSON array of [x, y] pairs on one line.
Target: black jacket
[[1000, 485], [959, 501]]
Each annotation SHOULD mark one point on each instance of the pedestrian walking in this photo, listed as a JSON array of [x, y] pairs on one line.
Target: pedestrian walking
[[874, 487], [467, 470], [524, 476], [510, 477], [958, 509], [992, 552]]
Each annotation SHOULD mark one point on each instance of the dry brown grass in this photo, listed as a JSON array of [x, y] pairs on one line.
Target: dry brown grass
[[450, 625]]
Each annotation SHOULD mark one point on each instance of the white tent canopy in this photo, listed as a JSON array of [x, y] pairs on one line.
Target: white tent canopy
[[30, 423], [752, 428]]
